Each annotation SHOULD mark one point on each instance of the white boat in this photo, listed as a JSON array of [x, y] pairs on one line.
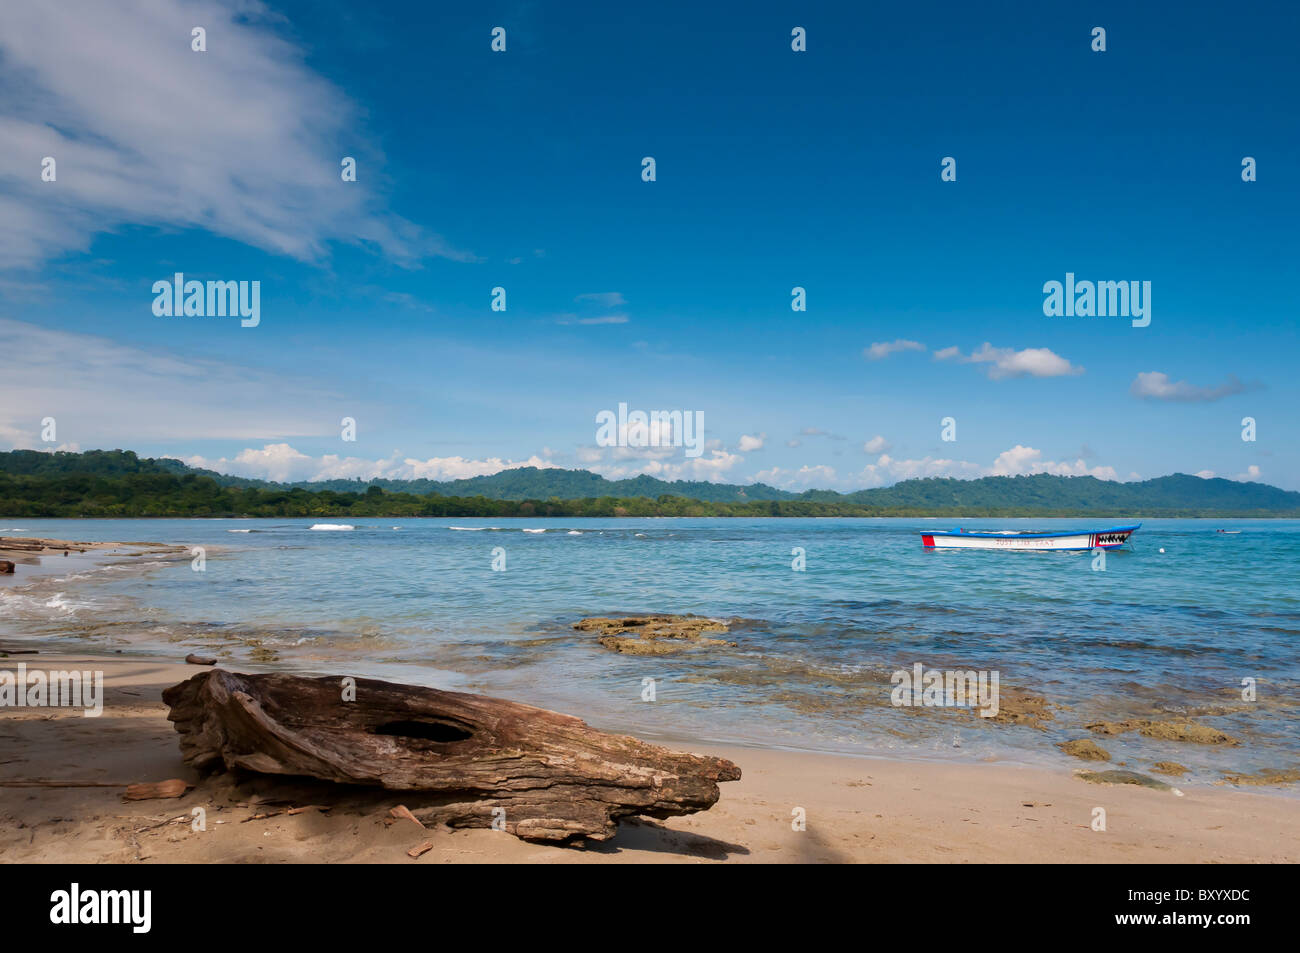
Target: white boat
[[1014, 541]]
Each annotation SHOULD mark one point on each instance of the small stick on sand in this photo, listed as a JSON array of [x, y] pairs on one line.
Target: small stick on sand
[[49, 783], [261, 817]]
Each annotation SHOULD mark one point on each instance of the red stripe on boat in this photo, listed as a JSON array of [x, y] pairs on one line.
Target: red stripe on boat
[[927, 540]]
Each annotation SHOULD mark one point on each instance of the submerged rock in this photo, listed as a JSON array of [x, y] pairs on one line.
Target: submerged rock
[[1085, 748], [654, 634], [1123, 777], [1020, 706], [1267, 776], [1165, 731], [1172, 768]]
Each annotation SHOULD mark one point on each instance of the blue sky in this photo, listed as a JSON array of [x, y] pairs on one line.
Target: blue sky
[[775, 169]]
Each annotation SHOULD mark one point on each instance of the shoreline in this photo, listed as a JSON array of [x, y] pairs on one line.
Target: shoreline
[[1019, 702], [958, 806], [858, 809], [910, 515]]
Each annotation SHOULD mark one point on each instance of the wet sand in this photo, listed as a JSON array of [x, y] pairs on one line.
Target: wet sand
[[857, 809]]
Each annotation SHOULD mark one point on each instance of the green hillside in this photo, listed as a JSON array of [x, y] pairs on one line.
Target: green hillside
[[119, 483]]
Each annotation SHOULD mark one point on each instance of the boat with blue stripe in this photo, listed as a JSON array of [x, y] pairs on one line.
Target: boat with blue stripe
[[1018, 541]]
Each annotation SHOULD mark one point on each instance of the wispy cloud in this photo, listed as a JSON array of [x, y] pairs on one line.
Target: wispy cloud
[[749, 442], [882, 349], [243, 140], [603, 319], [606, 299], [102, 393], [1156, 385], [819, 432]]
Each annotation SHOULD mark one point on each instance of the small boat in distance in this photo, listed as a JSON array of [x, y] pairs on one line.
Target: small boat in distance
[[1015, 541]]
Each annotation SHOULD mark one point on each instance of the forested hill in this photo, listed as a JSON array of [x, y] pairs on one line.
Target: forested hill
[[118, 482], [522, 483]]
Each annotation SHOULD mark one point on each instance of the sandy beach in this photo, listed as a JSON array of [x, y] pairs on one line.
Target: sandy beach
[[857, 809]]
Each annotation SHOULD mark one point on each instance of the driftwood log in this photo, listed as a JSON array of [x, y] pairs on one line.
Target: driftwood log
[[552, 776]]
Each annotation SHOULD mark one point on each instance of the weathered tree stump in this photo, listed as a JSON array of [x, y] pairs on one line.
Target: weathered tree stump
[[554, 777]]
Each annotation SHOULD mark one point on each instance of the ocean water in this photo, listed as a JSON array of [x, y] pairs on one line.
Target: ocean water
[[1162, 636]]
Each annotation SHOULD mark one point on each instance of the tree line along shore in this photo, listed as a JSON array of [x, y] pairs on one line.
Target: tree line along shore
[[190, 495]]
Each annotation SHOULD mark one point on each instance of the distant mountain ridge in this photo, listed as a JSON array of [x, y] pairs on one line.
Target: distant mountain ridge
[[1045, 493]]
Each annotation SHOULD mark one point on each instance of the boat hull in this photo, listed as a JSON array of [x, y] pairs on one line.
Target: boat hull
[[1031, 542]]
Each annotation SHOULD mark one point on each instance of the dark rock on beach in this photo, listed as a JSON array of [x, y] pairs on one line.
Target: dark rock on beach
[[1123, 777]]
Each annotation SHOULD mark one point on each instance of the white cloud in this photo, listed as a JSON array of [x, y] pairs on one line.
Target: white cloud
[[748, 442], [877, 444], [1156, 385], [1005, 362], [282, 463], [887, 470], [102, 393], [1205, 474], [882, 349], [1020, 460], [651, 449], [947, 353], [1252, 473], [243, 140]]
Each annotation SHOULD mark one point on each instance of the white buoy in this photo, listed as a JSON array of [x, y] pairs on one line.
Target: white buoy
[[1162, 549]]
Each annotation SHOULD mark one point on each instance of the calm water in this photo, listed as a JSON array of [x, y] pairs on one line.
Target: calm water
[[1156, 635]]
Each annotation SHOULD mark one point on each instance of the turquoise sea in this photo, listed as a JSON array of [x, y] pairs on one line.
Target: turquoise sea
[[1167, 632]]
